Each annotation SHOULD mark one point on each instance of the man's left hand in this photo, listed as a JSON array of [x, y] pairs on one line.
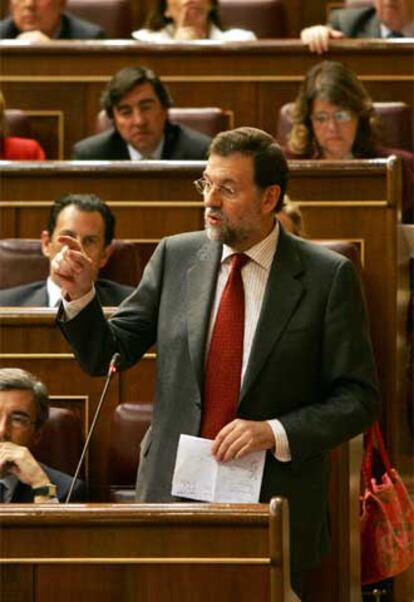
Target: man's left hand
[[241, 437], [18, 460]]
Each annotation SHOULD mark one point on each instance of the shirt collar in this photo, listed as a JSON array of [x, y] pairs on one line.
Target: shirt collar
[[407, 31], [155, 155], [262, 252], [53, 293]]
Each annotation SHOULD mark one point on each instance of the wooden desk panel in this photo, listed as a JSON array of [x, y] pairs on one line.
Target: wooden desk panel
[[231, 546], [252, 79], [147, 552]]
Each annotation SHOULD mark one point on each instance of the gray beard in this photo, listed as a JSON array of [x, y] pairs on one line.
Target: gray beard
[[226, 235]]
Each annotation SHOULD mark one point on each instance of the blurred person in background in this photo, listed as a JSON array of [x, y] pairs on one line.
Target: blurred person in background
[[16, 149], [291, 218], [137, 103], [188, 20], [384, 19], [45, 20]]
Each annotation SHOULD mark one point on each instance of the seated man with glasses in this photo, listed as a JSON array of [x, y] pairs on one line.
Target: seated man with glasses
[[24, 408]]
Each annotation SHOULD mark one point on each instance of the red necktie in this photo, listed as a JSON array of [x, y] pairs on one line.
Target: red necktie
[[224, 363]]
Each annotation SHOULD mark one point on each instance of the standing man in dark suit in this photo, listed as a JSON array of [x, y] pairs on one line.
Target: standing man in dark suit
[[306, 373], [137, 102], [89, 219], [24, 408], [386, 19], [45, 20]]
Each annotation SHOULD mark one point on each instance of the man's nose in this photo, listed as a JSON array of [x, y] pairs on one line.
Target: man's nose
[[212, 198], [4, 428], [138, 117], [332, 124]]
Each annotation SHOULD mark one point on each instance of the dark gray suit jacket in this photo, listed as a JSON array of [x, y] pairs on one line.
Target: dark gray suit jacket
[[72, 28], [23, 493], [34, 294], [311, 366], [181, 143], [356, 22]]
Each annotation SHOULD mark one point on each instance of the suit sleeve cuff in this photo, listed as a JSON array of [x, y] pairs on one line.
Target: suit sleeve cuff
[[282, 449], [73, 308]]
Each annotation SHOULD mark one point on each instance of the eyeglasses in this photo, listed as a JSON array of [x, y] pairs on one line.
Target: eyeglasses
[[204, 186], [338, 117], [19, 421]]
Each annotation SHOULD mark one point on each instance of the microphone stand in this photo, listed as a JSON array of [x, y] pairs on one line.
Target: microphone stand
[[111, 371]]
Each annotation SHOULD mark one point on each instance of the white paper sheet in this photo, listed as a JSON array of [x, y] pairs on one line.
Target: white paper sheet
[[198, 476]]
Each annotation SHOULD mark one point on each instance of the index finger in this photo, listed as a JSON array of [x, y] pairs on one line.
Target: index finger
[[69, 241]]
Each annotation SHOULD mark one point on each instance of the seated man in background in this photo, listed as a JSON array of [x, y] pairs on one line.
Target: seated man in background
[[188, 20], [87, 218], [137, 102], [43, 20], [385, 19], [24, 408], [16, 148]]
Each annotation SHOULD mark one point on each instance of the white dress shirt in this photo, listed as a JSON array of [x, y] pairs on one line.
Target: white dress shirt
[[155, 155], [54, 293], [255, 275], [166, 34]]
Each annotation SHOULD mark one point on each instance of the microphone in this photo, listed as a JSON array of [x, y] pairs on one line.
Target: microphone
[[113, 366]]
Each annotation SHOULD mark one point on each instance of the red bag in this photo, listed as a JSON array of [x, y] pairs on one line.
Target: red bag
[[387, 517]]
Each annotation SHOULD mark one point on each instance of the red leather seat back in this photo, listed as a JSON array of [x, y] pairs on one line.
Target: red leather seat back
[[61, 441]]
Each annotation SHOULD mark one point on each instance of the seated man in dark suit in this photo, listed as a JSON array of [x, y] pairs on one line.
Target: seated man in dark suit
[[44, 20], [137, 102], [384, 19], [89, 219], [24, 408]]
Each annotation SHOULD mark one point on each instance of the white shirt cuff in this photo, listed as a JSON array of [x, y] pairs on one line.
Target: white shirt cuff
[[73, 308], [282, 450]]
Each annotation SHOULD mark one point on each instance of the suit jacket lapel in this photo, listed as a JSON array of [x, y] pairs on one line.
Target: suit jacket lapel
[[201, 286], [372, 27], [283, 293]]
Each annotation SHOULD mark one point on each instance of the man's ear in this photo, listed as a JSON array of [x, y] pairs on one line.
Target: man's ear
[[271, 197], [45, 242], [108, 250]]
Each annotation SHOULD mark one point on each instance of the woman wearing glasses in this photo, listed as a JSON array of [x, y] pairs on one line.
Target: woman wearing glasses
[[333, 118]]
